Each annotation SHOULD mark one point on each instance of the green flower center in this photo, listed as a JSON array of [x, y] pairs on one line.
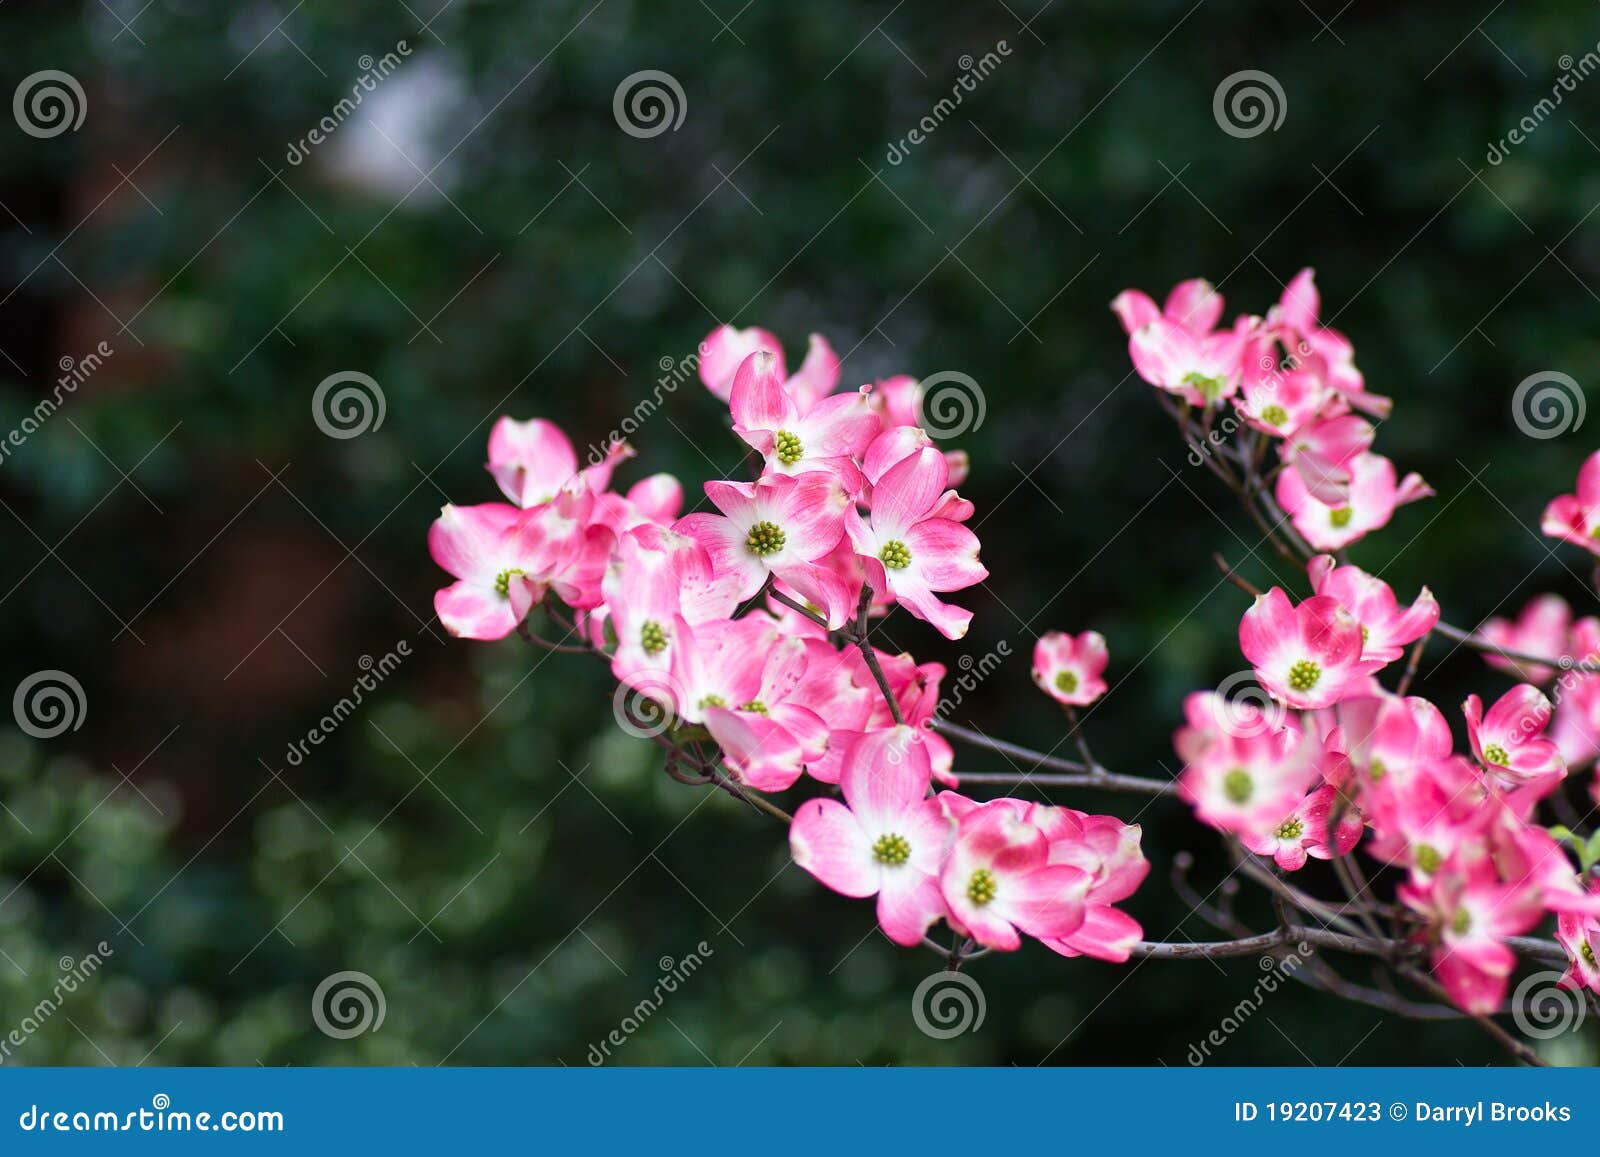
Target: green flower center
[[1496, 754], [789, 448], [981, 887], [1304, 675], [1461, 922], [652, 637], [764, 538], [1238, 786], [1340, 517], [1291, 829], [1587, 953], [891, 849], [755, 705], [1376, 770], [1210, 388], [1428, 858], [502, 581], [713, 701], [1066, 682], [1274, 415], [895, 555]]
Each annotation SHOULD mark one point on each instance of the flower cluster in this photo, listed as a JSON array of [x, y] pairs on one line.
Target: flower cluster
[[1289, 378], [1331, 756], [745, 628]]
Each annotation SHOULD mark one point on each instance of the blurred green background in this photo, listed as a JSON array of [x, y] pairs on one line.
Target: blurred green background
[[482, 237]]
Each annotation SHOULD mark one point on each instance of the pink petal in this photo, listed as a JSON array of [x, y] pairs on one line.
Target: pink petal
[[826, 841]]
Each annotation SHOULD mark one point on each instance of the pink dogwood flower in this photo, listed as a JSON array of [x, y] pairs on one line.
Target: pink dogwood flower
[[1385, 628], [1307, 656], [1579, 934], [827, 435], [912, 551], [1069, 668], [998, 880], [1371, 503], [1510, 738], [1201, 368], [1192, 305], [1321, 454], [533, 460], [725, 349], [1575, 518], [1543, 627], [778, 525], [1242, 770], [1296, 313], [888, 839], [1304, 831], [1471, 914], [1108, 850], [505, 560]]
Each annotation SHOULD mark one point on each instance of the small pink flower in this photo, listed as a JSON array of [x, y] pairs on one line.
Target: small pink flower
[[1069, 668], [1108, 850], [1543, 627], [1200, 368], [827, 435], [1471, 914], [1321, 454], [998, 879], [1243, 771], [534, 460], [658, 575], [782, 525], [506, 559], [726, 348], [1303, 831], [1275, 400], [1307, 656], [1510, 738], [911, 549], [1580, 935], [888, 839], [1385, 628], [1371, 502], [1575, 518], [1295, 318], [1192, 305]]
